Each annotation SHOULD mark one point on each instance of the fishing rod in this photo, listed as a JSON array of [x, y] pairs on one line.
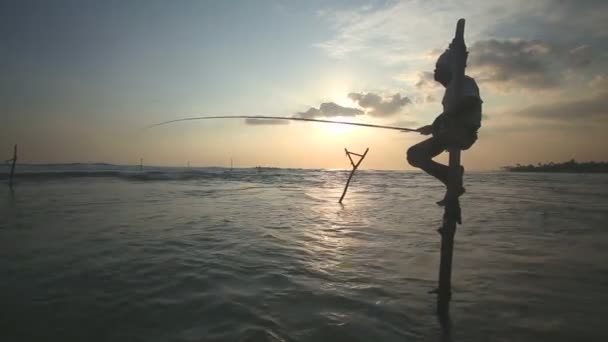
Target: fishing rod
[[263, 117]]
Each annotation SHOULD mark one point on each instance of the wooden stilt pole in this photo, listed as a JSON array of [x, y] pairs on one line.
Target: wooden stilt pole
[[141, 164], [14, 161], [355, 166], [452, 214]]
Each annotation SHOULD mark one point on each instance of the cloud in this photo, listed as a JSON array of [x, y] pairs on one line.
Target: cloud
[[426, 80], [518, 63], [430, 98], [555, 35], [396, 31], [599, 84], [580, 56], [428, 89], [590, 108], [377, 106], [266, 122], [531, 64], [569, 22], [355, 29], [329, 109]]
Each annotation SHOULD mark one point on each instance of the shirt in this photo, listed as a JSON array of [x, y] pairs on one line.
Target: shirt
[[471, 117]]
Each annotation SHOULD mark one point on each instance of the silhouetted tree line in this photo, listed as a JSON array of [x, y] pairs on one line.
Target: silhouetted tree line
[[569, 166]]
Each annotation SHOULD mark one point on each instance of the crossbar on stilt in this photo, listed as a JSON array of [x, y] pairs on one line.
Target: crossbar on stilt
[[355, 166]]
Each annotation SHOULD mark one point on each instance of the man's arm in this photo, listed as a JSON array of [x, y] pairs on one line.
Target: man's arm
[[426, 130], [437, 125], [466, 103], [441, 121]]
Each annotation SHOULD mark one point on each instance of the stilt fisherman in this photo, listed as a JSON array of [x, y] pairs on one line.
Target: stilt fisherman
[[456, 127]]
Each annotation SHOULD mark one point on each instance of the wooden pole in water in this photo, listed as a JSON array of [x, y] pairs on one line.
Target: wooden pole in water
[[452, 214], [14, 160], [141, 164], [355, 166]]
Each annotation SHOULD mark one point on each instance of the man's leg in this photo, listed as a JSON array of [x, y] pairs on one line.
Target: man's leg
[[421, 156], [464, 138]]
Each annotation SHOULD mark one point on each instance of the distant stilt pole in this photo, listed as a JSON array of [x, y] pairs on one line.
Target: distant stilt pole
[[452, 214], [14, 161], [141, 164], [355, 166]]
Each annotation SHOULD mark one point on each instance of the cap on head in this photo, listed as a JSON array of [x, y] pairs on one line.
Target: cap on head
[[443, 62]]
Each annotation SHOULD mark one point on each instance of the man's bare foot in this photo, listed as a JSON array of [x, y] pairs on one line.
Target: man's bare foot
[[451, 196]]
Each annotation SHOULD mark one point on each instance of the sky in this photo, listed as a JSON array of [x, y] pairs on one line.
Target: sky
[[82, 80]]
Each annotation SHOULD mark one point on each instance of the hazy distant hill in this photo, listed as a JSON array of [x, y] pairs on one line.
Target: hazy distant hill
[[569, 166]]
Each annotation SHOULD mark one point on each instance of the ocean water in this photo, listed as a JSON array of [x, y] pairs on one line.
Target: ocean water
[[109, 253]]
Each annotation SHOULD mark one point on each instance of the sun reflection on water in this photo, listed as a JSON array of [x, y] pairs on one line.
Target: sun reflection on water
[[333, 229]]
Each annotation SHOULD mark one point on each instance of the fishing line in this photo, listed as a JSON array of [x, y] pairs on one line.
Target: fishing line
[[263, 117]]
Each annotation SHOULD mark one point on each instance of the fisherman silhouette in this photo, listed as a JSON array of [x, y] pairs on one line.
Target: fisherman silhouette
[[456, 127]]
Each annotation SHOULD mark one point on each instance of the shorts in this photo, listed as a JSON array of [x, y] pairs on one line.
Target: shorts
[[461, 137]]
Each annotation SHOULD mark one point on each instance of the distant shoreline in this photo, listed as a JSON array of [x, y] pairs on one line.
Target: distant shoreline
[[566, 167]]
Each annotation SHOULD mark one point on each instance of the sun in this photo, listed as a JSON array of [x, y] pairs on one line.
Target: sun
[[341, 99], [344, 101], [337, 86], [338, 129]]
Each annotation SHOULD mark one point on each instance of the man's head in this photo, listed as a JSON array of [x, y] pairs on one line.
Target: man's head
[[443, 73]]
